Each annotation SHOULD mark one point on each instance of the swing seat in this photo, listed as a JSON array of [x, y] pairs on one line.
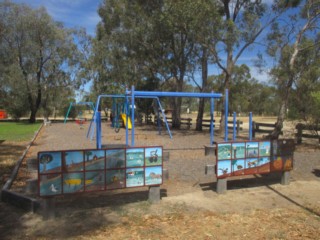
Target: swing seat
[[81, 121]]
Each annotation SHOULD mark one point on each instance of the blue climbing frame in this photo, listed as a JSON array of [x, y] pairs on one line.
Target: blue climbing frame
[[146, 94]]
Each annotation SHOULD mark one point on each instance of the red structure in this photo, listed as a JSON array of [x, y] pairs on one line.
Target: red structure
[[3, 114]]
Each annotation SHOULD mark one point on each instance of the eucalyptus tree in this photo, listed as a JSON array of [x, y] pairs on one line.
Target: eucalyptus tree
[[295, 47], [155, 40], [244, 22], [38, 55]]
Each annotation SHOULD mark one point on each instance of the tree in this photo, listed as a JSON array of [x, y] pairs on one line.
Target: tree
[[139, 40], [37, 55], [288, 45], [244, 22]]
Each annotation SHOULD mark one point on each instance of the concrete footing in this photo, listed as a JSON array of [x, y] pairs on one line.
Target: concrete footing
[[49, 208], [210, 170], [210, 150], [221, 185], [154, 194], [285, 178], [32, 186]]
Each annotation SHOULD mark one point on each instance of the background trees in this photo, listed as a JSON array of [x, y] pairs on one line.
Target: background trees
[[38, 58]]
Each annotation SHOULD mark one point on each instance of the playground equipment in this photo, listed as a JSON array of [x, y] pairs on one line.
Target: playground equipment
[[131, 95], [72, 104]]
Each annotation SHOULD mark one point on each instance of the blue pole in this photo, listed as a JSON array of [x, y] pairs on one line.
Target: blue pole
[[250, 126], [98, 121], [234, 125], [127, 117], [211, 121], [226, 106], [132, 116]]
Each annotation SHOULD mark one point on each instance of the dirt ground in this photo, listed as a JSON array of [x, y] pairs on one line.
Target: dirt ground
[[256, 207]]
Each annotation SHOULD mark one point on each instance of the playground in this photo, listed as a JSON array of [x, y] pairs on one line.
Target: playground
[[254, 207]]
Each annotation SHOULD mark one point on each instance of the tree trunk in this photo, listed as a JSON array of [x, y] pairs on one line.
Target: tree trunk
[[204, 73]]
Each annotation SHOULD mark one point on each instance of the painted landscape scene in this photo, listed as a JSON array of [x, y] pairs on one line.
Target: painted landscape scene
[[153, 156]]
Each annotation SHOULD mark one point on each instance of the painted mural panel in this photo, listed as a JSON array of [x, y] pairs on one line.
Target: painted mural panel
[[73, 161], [224, 168], [94, 160], [134, 177], [153, 156], [224, 151], [259, 157], [73, 182], [264, 149], [50, 184], [238, 150], [116, 158], [115, 179], [238, 167], [251, 166], [95, 181], [153, 175], [135, 157], [49, 162], [252, 149], [74, 171]]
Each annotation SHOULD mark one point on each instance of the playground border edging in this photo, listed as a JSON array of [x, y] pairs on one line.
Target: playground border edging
[[12, 197]]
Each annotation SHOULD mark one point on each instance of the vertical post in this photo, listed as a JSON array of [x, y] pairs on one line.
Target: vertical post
[[238, 127], [132, 116], [98, 125], [299, 133], [127, 118], [211, 120], [250, 126], [226, 106], [70, 106], [234, 125]]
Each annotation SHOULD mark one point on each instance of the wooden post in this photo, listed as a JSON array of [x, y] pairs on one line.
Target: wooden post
[[238, 127], [299, 133], [253, 129]]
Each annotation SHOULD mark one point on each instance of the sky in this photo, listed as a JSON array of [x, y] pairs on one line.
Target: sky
[[73, 13]]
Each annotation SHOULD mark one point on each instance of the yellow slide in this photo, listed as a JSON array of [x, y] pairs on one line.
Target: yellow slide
[[124, 118]]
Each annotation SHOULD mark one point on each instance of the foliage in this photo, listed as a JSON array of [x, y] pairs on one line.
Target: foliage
[[38, 58], [294, 45]]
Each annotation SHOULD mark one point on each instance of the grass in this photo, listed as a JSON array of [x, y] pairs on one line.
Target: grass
[[17, 131]]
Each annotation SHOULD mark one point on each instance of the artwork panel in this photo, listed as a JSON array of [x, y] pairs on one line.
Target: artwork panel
[[287, 163], [134, 177], [276, 164], [252, 149], [115, 158], [73, 161], [265, 149], [224, 151], [153, 175], [73, 182], [94, 159], [238, 150], [153, 156], [95, 181], [50, 185], [251, 166], [264, 165], [237, 167], [50, 162], [223, 168], [115, 179], [135, 157]]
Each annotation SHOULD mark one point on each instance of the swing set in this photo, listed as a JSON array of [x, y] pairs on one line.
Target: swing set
[[80, 119]]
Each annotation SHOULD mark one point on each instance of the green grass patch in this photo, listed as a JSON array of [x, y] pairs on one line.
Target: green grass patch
[[17, 131]]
